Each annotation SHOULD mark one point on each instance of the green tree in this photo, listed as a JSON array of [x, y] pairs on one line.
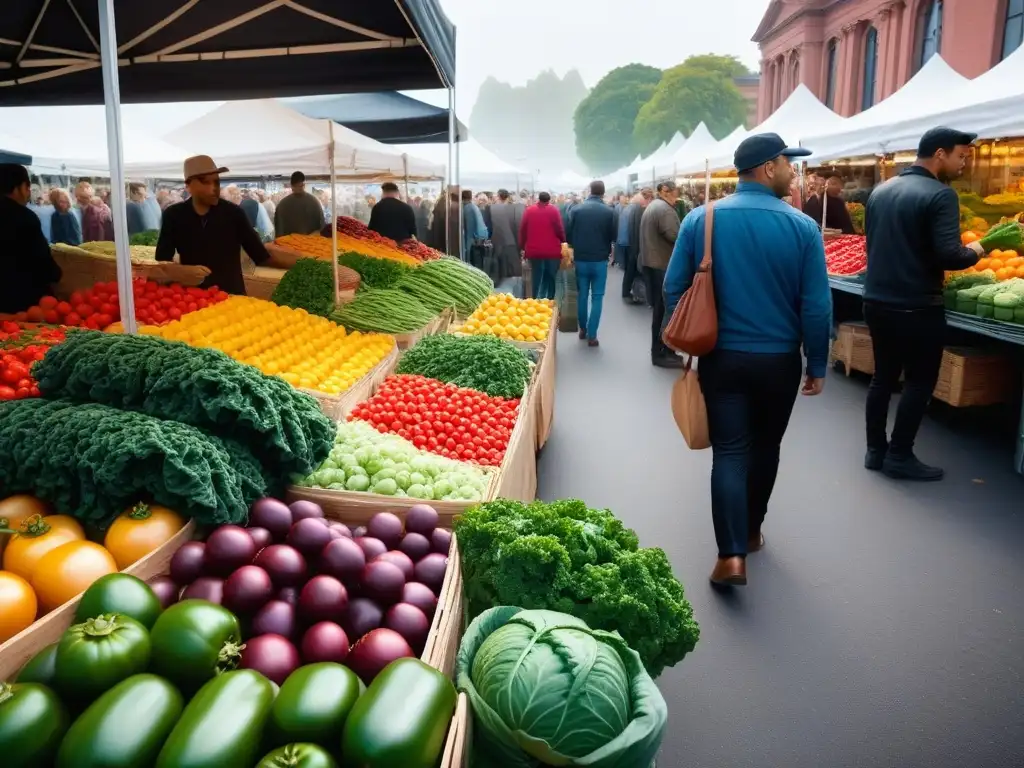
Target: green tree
[[604, 120], [699, 89]]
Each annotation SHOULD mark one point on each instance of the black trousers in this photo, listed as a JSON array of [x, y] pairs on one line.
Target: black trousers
[[655, 279], [749, 398], [908, 342], [630, 267]]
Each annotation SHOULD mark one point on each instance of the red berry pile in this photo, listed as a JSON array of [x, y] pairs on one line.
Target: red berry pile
[[441, 418], [19, 349], [846, 255], [99, 306]]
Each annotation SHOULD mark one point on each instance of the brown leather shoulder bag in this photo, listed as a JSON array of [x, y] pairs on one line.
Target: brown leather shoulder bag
[[693, 327]]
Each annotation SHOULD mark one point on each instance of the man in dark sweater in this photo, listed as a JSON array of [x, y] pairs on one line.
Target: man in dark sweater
[[913, 236], [392, 217], [27, 269], [591, 233]]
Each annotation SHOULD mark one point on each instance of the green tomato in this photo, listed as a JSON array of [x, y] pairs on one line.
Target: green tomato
[[442, 488], [193, 641], [32, 723], [298, 756], [119, 593], [41, 668], [417, 478], [417, 491], [336, 487], [357, 483], [402, 466], [384, 474], [373, 466], [404, 479], [358, 471], [386, 487], [97, 654]]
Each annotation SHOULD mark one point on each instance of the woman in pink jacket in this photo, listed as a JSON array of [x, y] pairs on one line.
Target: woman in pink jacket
[[541, 235]]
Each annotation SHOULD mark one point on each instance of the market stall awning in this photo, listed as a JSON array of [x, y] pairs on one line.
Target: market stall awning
[[180, 50], [932, 89], [388, 117], [479, 168], [694, 149]]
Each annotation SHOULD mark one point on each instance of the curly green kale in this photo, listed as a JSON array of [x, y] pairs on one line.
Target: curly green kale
[[566, 557]]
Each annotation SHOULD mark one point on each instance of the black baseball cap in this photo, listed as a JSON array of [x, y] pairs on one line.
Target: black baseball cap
[[762, 147], [943, 138]]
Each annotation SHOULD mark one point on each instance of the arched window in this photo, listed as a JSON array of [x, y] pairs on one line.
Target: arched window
[[832, 58], [1013, 30], [794, 79], [929, 35], [867, 98]]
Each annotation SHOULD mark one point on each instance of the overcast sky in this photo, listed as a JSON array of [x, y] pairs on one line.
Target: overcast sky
[[514, 40]]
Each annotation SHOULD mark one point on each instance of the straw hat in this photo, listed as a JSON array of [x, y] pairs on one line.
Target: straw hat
[[201, 165]]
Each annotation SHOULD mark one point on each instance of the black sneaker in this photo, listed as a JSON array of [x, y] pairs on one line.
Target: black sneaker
[[909, 467], [875, 459], [667, 361]]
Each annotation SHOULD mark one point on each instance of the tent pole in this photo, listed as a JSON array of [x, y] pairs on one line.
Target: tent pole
[[451, 172], [405, 168], [334, 216], [458, 177], [112, 101], [707, 182]]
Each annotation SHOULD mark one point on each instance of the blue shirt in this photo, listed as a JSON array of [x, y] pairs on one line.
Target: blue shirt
[[768, 262], [591, 230]]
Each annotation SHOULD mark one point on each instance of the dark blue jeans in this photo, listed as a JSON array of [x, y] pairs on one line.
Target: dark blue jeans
[[591, 279], [749, 398], [542, 277]]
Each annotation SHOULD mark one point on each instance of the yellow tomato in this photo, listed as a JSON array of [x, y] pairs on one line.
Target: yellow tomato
[[68, 571], [38, 537], [18, 605]]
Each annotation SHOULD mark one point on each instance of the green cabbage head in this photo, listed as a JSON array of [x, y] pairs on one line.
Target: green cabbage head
[[547, 690]]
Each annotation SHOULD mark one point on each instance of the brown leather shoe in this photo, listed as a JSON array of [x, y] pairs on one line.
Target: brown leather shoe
[[755, 544], [583, 334], [730, 572]]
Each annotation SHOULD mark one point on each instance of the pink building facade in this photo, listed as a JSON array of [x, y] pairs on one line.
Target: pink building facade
[[853, 53]]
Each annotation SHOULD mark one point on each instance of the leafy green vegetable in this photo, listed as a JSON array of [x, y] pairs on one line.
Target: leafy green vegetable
[[445, 283], [1003, 236], [484, 363], [563, 556], [149, 237], [546, 689], [374, 272], [284, 429], [308, 285], [383, 310], [92, 461]]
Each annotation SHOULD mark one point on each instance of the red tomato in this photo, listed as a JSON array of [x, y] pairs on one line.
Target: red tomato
[[103, 320], [34, 314], [48, 302], [50, 316], [83, 309], [76, 298], [73, 319], [63, 308]]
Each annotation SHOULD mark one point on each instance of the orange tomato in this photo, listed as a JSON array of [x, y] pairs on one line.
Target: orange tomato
[[140, 530], [1014, 261], [969, 237], [995, 264], [982, 264], [17, 605], [1005, 273], [69, 570], [1020, 271], [37, 537], [15, 510]]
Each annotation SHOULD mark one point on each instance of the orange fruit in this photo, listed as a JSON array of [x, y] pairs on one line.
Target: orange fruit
[[983, 264], [996, 264]]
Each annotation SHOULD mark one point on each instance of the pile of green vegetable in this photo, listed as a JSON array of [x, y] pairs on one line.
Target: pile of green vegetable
[[1006, 236], [563, 556], [308, 285], [284, 429], [149, 237], [445, 283], [962, 282], [546, 689], [375, 272], [1002, 301], [363, 459], [132, 685], [384, 310], [484, 363], [93, 461]]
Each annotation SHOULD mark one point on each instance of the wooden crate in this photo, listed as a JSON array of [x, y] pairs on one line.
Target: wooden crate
[[338, 407], [853, 349], [446, 629], [543, 386], [972, 376], [26, 644], [460, 736], [438, 325], [528, 345], [517, 476]]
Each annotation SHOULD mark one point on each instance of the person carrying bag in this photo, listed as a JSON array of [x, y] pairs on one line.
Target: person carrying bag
[[768, 298]]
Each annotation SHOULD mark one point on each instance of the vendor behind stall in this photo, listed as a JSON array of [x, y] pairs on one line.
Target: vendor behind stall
[[208, 231], [300, 213], [837, 216], [27, 269], [393, 217]]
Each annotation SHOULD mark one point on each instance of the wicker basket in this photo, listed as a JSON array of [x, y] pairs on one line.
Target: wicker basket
[[852, 348], [82, 269], [975, 376]]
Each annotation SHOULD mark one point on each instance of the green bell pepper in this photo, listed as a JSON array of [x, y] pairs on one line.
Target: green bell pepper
[[94, 656], [123, 728], [32, 723], [193, 641], [221, 726], [298, 756]]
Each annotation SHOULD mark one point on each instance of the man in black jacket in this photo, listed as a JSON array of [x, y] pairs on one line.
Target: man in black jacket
[[27, 269], [913, 235]]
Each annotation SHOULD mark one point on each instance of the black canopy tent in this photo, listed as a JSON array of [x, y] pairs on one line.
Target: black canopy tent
[[184, 50], [62, 52], [389, 117], [14, 157]]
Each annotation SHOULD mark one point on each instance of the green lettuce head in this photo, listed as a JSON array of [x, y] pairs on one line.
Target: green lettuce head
[[547, 690]]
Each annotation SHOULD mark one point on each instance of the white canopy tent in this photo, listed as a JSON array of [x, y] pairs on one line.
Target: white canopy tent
[[693, 149], [659, 157], [478, 168], [570, 181], [800, 115], [934, 86]]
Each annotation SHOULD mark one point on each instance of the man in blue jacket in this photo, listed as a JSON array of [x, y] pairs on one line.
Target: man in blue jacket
[[591, 233], [773, 297]]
